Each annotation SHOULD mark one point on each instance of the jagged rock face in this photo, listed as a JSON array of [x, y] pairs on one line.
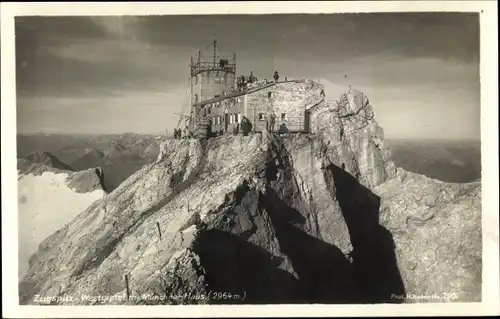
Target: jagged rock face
[[182, 283], [276, 219], [437, 231], [86, 181], [127, 221], [354, 138], [151, 151]]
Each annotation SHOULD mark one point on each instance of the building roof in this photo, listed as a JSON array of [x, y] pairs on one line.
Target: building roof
[[234, 94], [247, 91]]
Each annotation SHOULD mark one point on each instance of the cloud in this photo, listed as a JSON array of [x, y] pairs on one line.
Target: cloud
[[123, 27], [92, 56], [101, 66], [63, 27], [108, 51], [380, 71]]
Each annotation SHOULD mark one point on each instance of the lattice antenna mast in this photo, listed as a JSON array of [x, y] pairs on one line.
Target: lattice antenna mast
[[200, 64], [215, 50]]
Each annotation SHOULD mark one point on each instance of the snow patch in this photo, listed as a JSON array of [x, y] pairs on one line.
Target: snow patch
[[46, 204]]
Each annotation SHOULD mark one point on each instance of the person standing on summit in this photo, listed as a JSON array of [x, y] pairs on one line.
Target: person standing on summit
[[251, 78], [241, 83], [272, 121], [276, 76]]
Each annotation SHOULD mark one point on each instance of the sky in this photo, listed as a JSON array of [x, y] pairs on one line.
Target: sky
[[98, 75]]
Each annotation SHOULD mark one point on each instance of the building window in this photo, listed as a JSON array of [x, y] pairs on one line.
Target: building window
[[269, 94], [217, 95], [217, 120], [261, 116], [239, 118], [208, 111], [195, 98], [283, 117], [231, 119]]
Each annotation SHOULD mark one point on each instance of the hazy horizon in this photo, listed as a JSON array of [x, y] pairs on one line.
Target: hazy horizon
[[170, 133], [112, 75]]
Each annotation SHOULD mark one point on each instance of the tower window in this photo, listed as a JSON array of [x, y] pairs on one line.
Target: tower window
[[283, 117], [269, 94], [261, 116]]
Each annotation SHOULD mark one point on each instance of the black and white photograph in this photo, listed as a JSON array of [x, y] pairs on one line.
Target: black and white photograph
[[280, 158]]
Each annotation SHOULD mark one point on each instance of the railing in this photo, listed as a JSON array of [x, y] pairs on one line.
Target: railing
[[290, 125], [198, 67]]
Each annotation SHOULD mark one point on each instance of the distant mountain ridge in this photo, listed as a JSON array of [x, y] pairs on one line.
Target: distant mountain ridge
[[119, 155], [49, 159]]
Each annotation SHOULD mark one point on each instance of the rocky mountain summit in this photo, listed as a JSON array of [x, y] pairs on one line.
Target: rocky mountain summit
[[323, 217]]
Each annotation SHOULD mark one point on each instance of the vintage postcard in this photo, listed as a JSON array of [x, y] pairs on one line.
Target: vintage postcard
[[250, 159]]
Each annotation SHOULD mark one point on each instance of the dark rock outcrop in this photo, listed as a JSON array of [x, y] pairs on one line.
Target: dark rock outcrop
[[87, 180]]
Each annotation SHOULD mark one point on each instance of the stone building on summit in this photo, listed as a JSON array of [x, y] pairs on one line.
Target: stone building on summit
[[217, 98]]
